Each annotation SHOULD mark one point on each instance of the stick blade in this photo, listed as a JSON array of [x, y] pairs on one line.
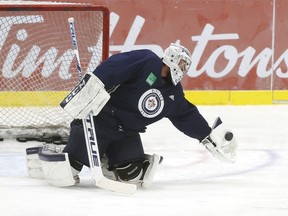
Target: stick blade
[[115, 186]]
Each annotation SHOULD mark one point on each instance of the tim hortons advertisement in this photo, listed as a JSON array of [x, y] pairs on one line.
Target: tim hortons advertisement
[[235, 45]]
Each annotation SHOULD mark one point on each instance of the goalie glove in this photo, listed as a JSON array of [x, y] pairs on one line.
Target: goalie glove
[[88, 95], [221, 143]]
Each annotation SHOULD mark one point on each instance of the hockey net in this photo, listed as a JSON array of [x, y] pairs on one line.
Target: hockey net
[[37, 63]]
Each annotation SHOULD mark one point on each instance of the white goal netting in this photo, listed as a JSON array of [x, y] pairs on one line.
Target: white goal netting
[[37, 65]]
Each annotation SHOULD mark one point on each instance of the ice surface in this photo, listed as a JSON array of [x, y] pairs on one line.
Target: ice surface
[[190, 182]]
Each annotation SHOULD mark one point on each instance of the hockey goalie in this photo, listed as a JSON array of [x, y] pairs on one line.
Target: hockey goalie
[[126, 93]]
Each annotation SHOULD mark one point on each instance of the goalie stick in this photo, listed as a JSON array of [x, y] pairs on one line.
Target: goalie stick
[[91, 140]]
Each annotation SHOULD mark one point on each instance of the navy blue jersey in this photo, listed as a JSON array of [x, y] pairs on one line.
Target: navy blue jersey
[[139, 96]]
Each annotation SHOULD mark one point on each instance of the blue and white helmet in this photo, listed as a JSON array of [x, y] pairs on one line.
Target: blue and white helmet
[[178, 59]]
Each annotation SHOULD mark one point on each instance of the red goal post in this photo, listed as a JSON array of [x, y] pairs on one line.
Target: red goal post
[[37, 65]]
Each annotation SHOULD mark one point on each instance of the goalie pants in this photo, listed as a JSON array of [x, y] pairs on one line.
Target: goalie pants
[[118, 146]]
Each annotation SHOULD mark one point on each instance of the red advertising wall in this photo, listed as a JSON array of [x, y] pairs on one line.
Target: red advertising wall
[[222, 36], [235, 45]]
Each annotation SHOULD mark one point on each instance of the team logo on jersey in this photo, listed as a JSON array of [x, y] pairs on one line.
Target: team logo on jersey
[[151, 103]]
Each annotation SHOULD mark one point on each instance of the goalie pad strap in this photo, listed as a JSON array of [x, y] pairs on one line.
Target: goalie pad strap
[[88, 95]]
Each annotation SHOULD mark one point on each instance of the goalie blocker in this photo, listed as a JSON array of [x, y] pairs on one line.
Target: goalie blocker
[[88, 95]]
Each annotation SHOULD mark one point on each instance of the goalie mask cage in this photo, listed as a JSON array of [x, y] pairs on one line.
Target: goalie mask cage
[[37, 63]]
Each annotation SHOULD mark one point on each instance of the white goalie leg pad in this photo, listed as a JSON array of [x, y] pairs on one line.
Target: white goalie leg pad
[[222, 144], [57, 169], [144, 178], [154, 161], [33, 163], [88, 95]]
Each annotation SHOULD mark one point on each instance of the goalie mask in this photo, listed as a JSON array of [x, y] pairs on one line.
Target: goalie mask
[[178, 59]]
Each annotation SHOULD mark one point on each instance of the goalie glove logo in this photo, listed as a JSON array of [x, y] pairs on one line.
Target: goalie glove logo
[[151, 103]]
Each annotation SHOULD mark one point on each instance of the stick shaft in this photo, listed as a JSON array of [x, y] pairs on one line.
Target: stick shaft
[[75, 47], [88, 124], [91, 139]]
